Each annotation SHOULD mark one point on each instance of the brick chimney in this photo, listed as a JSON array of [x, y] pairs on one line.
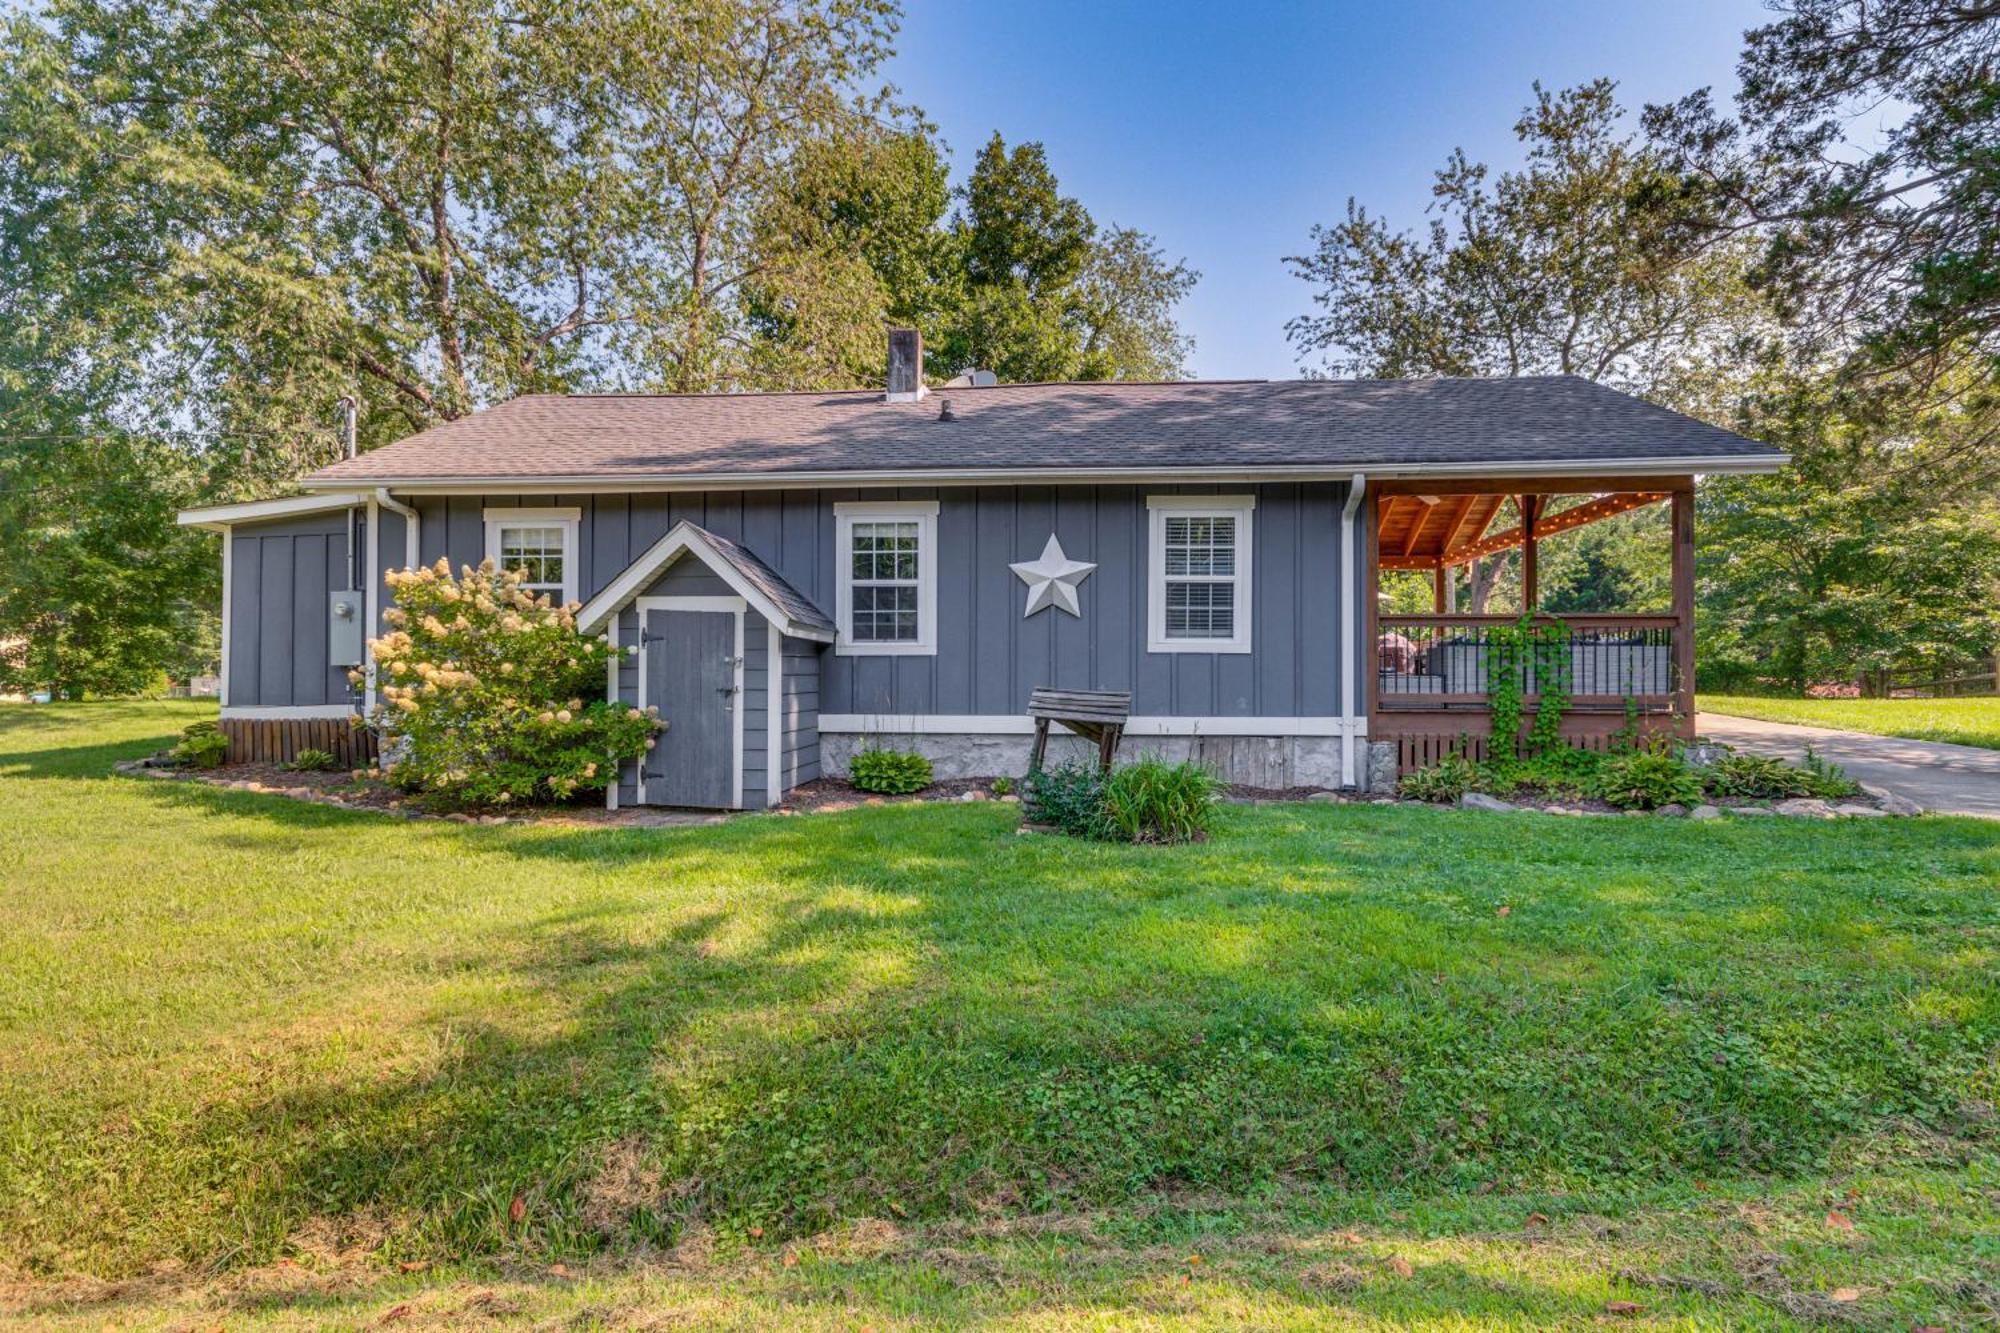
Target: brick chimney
[[906, 366]]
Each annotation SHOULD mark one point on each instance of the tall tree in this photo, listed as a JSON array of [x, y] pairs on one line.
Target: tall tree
[[1047, 295], [1583, 262], [1883, 246], [435, 206], [1591, 259]]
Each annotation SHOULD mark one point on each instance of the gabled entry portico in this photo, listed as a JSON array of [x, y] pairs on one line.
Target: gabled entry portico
[[728, 651]]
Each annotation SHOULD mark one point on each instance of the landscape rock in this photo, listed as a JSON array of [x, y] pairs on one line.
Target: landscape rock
[[1891, 803], [1751, 810], [973, 796], [1010, 799], [1324, 796], [1673, 810], [1804, 809], [1860, 812], [1705, 812], [1479, 800]]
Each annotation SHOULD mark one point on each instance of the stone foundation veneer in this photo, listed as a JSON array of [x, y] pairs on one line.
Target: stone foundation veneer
[[1253, 761]]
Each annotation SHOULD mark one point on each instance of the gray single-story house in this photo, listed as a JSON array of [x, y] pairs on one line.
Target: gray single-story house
[[807, 574]]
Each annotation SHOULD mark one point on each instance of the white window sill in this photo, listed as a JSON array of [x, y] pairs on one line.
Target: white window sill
[[843, 648], [1197, 646]]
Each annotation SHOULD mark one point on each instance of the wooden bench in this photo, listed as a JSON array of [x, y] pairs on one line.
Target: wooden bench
[[1098, 715]]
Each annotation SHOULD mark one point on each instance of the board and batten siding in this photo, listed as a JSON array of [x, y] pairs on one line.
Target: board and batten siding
[[989, 657], [280, 575]]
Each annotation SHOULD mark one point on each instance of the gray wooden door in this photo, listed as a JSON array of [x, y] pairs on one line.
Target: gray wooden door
[[691, 675]]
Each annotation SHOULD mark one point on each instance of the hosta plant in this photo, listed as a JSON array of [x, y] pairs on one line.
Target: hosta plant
[[485, 692], [891, 772], [1647, 779]]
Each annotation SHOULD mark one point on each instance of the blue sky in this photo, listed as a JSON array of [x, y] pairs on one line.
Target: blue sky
[[1228, 129]]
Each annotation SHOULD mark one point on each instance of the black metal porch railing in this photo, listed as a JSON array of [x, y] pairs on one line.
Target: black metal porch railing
[[1435, 660]]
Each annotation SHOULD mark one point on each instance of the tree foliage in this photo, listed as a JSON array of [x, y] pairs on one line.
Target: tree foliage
[[217, 219], [1881, 247], [1586, 261], [1741, 279]]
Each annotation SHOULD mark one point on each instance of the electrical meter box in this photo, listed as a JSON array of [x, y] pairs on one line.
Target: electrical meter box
[[343, 628]]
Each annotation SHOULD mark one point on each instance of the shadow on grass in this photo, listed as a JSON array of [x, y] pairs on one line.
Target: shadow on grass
[[149, 726], [787, 1023]]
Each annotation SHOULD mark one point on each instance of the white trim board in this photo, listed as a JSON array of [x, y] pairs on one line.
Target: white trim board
[[1010, 724], [371, 603], [615, 483], [296, 712], [220, 516], [774, 704], [228, 612], [730, 605]]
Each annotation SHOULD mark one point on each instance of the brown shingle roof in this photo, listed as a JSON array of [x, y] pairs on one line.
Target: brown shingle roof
[[1333, 424]]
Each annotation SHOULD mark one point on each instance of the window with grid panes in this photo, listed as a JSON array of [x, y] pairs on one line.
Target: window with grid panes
[[884, 576]]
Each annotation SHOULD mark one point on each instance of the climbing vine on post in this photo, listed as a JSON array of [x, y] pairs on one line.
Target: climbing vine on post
[[1516, 655]]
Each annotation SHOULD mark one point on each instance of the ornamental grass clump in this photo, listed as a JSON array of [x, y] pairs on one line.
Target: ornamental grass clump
[[1150, 801], [1155, 801], [485, 692]]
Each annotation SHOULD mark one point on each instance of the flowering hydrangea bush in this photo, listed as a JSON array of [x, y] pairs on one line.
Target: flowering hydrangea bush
[[483, 688]]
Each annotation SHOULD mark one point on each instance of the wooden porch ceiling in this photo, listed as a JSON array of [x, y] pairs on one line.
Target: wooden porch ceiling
[[1442, 530]]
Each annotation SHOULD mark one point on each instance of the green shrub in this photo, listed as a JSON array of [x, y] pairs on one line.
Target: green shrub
[[1070, 797], [1829, 780], [1756, 776], [1760, 776], [1003, 786], [1558, 772], [202, 745], [310, 760], [1443, 782], [893, 772], [1155, 801], [1646, 779], [483, 688]]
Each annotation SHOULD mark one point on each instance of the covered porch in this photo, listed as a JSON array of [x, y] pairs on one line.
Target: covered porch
[[1429, 689]]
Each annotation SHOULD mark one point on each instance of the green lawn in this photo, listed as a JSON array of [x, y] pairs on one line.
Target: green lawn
[[1961, 721], [268, 1063]]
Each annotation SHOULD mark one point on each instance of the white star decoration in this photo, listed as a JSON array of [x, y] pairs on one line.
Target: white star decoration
[[1052, 580]]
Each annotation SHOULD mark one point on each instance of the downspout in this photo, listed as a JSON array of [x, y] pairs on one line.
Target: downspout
[[411, 524], [1350, 616], [410, 548]]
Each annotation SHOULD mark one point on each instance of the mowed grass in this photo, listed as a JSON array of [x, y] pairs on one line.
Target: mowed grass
[[1957, 721], [263, 1062]]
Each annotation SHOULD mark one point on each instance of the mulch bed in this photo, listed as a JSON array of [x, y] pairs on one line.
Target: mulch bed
[[823, 796]]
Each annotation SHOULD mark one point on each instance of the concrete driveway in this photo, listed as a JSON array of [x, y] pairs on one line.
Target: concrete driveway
[[1947, 779]]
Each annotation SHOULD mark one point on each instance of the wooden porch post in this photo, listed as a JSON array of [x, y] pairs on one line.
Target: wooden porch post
[[1531, 580], [1683, 574], [1440, 586]]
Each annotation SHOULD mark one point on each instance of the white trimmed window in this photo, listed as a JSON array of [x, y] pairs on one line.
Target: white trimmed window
[[541, 543], [885, 585], [1198, 560]]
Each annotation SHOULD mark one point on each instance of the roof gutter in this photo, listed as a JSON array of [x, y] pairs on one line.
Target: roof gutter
[[584, 482]]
